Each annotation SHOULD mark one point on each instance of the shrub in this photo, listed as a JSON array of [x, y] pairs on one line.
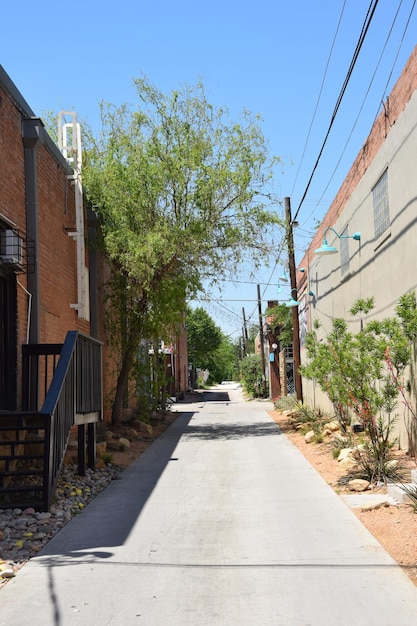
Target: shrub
[[252, 375]]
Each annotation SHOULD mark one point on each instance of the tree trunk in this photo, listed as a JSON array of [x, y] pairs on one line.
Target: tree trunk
[[122, 383]]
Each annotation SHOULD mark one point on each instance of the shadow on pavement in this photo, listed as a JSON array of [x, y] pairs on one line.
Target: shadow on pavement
[[205, 396], [108, 519], [231, 431]]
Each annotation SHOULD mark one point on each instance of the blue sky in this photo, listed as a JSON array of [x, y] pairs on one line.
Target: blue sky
[[286, 61]]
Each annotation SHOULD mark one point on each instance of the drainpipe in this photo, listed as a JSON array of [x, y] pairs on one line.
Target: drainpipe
[[32, 134], [92, 221]]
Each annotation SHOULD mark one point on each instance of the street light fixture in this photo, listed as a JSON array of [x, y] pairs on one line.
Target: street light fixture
[[291, 302], [326, 249]]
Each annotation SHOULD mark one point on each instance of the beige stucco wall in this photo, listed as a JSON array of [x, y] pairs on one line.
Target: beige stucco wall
[[384, 268]]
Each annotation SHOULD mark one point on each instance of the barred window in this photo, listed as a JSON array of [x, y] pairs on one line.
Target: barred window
[[381, 205]]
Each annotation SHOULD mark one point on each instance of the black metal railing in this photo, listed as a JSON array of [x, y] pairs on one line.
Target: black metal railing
[[76, 390], [73, 397]]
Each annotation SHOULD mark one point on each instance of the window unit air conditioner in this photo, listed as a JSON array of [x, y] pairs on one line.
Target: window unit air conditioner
[[11, 248]]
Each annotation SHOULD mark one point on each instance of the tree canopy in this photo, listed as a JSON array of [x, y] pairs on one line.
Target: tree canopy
[[208, 348], [180, 191]]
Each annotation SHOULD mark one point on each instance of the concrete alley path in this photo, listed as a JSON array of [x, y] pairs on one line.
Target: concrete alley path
[[221, 522]]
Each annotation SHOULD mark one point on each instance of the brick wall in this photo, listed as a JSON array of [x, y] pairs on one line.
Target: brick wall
[[57, 251], [56, 206]]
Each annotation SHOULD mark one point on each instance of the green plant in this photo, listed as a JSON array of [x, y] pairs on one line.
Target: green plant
[[411, 491], [107, 458], [341, 442], [251, 373], [307, 418], [362, 373], [375, 456], [285, 402], [318, 438]]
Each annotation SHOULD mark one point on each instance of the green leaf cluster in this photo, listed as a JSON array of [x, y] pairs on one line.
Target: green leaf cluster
[[208, 347], [251, 375], [353, 368], [180, 191]]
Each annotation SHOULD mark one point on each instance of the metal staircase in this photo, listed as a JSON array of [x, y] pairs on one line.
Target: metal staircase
[[66, 381]]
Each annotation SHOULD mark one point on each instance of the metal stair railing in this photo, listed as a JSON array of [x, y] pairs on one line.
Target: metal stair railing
[[74, 397]]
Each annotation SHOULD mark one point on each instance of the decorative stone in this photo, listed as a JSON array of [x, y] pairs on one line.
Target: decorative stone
[[309, 437], [29, 511], [345, 453], [101, 448], [8, 572], [146, 428], [124, 444], [348, 463], [332, 426], [22, 535], [358, 484]]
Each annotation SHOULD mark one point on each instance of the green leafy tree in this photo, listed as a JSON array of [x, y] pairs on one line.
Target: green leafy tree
[[251, 374], [208, 347], [280, 322], [224, 365], [180, 193], [361, 373], [203, 337]]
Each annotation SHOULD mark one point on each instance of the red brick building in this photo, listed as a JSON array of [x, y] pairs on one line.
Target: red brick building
[[55, 284], [38, 260]]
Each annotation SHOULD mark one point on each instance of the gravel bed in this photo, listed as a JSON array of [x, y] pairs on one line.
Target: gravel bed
[[23, 533]]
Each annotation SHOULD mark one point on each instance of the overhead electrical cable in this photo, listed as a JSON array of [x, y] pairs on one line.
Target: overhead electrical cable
[[361, 107], [319, 97], [365, 27]]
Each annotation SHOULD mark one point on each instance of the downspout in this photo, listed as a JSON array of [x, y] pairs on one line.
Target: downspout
[[32, 134], [92, 221]]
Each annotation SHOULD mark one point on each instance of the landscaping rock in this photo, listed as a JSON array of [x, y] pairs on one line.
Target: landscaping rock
[[146, 428], [309, 437], [332, 426], [24, 533], [101, 447], [348, 463], [345, 453], [358, 484]]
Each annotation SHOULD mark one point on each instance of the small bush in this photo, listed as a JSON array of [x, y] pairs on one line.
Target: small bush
[[411, 492], [376, 458], [285, 403], [107, 458], [341, 442], [251, 372]]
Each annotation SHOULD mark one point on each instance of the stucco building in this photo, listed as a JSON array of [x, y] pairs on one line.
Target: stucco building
[[378, 200]]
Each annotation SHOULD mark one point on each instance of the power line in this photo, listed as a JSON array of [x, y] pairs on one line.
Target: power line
[[319, 96], [365, 27], [363, 102]]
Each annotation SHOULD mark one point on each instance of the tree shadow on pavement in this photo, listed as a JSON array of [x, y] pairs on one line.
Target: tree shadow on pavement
[[109, 518], [236, 430]]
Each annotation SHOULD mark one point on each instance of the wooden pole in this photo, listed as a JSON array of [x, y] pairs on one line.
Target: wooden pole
[[261, 335], [295, 321]]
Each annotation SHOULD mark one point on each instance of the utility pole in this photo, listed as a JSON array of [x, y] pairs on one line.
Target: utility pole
[[245, 332], [261, 335], [295, 322]]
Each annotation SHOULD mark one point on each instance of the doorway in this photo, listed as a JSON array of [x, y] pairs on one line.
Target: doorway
[[8, 342]]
